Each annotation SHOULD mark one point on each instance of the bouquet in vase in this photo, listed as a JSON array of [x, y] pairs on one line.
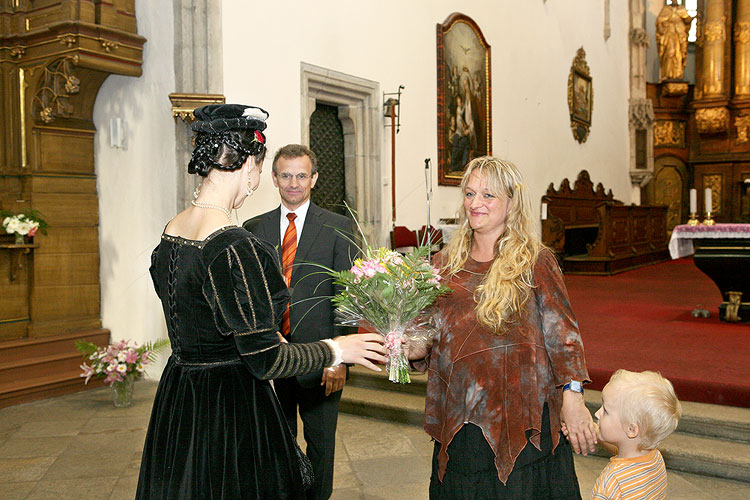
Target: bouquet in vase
[[388, 290], [117, 361], [26, 223]]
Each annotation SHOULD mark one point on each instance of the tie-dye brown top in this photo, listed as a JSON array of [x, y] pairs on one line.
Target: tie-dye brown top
[[501, 382]]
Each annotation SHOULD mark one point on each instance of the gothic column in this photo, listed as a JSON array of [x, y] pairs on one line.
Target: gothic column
[[641, 121], [742, 50]]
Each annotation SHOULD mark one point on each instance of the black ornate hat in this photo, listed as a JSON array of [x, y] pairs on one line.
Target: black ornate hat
[[218, 124], [218, 118]]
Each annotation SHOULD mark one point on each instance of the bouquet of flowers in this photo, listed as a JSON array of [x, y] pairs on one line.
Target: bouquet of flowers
[[119, 360], [25, 223], [388, 291]]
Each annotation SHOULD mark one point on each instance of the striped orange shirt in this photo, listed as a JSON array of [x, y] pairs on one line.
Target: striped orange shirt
[[639, 478]]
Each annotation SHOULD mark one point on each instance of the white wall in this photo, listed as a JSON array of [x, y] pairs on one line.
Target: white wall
[[393, 42], [137, 184]]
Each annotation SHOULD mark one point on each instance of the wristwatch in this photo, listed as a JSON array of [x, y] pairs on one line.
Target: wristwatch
[[574, 386]]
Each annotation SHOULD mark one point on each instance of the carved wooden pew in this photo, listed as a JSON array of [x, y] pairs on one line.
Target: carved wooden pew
[[592, 233]]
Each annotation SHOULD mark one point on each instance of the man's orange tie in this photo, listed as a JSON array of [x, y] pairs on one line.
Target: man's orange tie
[[288, 251]]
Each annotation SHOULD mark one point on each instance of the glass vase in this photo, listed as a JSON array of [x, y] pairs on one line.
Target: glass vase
[[19, 239], [123, 392]]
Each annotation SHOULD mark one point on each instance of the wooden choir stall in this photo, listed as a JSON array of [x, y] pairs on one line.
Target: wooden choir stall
[[593, 233]]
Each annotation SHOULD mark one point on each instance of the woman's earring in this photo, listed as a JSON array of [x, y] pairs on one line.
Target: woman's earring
[[249, 190], [196, 192]]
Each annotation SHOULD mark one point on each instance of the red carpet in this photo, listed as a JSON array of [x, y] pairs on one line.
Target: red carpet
[[640, 320]]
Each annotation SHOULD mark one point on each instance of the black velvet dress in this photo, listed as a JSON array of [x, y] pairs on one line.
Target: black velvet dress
[[216, 429]]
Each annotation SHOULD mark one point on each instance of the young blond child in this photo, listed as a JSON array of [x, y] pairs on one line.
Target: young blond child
[[638, 411]]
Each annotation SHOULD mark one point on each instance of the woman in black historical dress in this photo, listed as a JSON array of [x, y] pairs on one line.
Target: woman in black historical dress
[[216, 429]]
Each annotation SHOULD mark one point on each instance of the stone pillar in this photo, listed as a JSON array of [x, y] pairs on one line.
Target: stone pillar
[[641, 119], [742, 50], [198, 77], [713, 40]]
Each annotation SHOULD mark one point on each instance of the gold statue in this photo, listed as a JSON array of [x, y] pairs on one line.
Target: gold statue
[[672, 26]]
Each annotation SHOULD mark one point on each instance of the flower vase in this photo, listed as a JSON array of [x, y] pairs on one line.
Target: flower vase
[[123, 392], [19, 239]]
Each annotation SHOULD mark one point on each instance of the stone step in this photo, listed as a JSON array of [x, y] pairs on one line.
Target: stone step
[[711, 440]]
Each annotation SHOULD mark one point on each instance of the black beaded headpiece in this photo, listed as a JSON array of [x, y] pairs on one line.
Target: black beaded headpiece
[[218, 124]]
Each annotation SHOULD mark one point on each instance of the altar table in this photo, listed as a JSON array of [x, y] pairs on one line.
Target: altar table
[[722, 252]]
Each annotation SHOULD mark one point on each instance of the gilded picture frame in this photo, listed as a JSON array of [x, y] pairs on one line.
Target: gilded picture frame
[[580, 97], [464, 108]]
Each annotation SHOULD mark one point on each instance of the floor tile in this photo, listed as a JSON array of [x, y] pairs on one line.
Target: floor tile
[[17, 470], [16, 491], [16, 447], [95, 488]]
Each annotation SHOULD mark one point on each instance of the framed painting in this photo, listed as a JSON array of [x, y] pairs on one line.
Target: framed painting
[[580, 97], [463, 97]]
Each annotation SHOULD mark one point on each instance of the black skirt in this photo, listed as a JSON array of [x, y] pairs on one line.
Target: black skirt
[[537, 474]]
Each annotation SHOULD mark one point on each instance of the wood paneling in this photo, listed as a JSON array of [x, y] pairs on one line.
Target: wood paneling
[[62, 209], [47, 161], [15, 303], [67, 269], [64, 184], [14, 330], [68, 240], [65, 152], [60, 302], [62, 326]]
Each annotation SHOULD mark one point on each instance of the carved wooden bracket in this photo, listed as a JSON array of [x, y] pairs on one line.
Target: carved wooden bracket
[[16, 262], [183, 105]]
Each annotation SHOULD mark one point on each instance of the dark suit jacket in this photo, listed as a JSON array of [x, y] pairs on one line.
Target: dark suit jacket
[[326, 240]]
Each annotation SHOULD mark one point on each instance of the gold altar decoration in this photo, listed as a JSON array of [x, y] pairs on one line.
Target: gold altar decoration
[[712, 120], [711, 38], [672, 27], [183, 105], [580, 96], [669, 133], [668, 191], [742, 124], [742, 50], [671, 89], [714, 183]]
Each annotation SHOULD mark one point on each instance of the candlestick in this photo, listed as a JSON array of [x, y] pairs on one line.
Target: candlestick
[[693, 219], [693, 201], [708, 221], [707, 201]]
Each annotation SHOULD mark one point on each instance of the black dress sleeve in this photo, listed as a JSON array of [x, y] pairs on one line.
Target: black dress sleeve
[[248, 297], [152, 270]]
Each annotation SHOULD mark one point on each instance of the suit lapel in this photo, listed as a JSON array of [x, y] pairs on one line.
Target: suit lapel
[[270, 227], [313, 225]]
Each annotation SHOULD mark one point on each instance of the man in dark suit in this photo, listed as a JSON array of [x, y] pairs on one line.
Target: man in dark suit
[[323, 238]]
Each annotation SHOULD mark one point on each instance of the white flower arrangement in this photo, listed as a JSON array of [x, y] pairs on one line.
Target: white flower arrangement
[[23, 224]]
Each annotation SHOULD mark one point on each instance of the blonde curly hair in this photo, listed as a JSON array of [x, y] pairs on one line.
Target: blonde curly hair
[[508, 284]]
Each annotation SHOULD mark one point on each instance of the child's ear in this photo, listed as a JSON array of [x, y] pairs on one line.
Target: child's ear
[[632, 430]]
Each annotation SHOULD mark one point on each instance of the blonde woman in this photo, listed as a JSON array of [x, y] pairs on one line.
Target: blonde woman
[[507, 366]]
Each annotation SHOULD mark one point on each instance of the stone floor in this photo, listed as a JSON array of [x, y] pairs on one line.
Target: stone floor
[[80, 447]]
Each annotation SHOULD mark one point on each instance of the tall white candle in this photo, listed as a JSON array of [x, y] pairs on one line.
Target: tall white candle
[[693, 201], [544, 211], [707, 200]]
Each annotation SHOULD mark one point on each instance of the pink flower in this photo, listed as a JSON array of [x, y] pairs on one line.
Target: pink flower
[[88, 372], [33, 231], [131, 356]]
